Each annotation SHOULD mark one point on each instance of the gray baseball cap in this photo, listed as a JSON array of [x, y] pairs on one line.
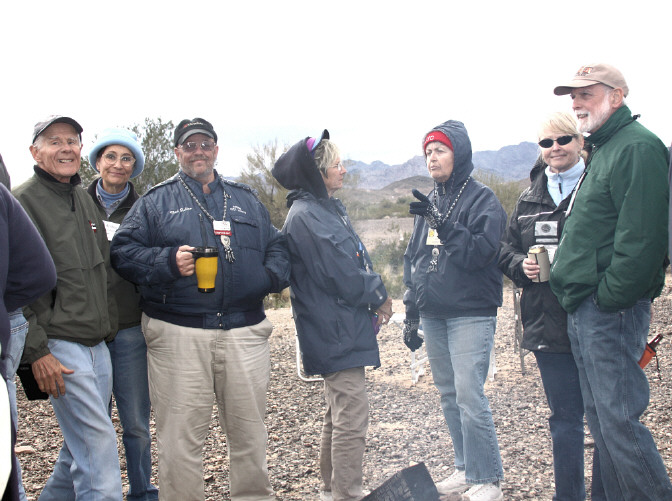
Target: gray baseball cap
[[53, 119]]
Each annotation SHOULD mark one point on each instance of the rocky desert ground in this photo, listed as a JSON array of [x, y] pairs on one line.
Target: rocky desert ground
[[406, 425]]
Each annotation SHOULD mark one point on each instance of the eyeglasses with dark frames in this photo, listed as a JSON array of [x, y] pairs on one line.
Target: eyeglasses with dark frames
[[191, 146], [562, 140]]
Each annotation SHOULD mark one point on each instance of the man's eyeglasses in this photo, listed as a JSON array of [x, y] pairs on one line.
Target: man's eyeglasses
[[126, 160], [562, 140], [191, 146]]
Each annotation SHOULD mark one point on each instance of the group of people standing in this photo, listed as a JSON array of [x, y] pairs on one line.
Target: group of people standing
[[118, 310]]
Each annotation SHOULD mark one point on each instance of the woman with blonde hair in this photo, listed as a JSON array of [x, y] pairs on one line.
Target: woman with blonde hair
[[538, 219]]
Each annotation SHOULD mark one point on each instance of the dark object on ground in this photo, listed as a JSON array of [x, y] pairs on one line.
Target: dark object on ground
[[410, 484]]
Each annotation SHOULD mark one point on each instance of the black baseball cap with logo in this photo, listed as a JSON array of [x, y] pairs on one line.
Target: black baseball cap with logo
[[189, 127]]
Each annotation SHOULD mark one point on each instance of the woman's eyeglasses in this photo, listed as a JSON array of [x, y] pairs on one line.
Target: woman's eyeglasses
[[126, 160], [562, 140]]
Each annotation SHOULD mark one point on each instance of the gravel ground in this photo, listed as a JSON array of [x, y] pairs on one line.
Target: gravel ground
[[406, 424]]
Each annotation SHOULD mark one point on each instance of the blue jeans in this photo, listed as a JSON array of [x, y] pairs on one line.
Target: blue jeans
[[563, 393], [88, 464], [10, 363], [128, 352], [607, 348], [459, 355]]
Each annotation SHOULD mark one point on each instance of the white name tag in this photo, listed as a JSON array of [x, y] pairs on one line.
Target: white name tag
[[433, 237], [110, 228], [222, 227]]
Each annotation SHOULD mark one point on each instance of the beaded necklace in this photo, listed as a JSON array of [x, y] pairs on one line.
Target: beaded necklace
[[433, 264], [226, 240]]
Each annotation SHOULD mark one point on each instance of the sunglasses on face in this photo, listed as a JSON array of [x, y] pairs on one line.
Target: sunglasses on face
[[204, 145], [562, 140]]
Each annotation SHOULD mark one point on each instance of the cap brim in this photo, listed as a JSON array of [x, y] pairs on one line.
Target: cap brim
[[65, 120], [190, 133], [562, 90]]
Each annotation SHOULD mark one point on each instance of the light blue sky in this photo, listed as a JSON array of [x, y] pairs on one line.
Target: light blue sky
[[377, 75]]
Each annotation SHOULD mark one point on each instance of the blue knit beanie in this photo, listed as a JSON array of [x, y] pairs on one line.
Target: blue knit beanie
[[123, 137]]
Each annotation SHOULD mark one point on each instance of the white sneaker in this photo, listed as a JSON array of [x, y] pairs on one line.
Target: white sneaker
[[328, 496], [484, 492], [457, 482]]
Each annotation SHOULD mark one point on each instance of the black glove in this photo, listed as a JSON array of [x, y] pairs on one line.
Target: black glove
[[426, 209], [411, 337]]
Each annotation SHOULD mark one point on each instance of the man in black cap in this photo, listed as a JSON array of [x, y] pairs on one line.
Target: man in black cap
[[200, 342], [69, 325]]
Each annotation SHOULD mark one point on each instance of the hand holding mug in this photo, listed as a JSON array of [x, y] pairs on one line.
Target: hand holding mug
[[185, 260]]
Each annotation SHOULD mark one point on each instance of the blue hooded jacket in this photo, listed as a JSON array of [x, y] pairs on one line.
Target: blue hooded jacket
[[467, 281], [332, 282]]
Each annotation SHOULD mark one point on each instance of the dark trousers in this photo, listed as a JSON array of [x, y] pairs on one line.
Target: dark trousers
[[563, 392]]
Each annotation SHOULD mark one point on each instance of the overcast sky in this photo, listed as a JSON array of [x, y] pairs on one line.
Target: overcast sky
[[377, 74]]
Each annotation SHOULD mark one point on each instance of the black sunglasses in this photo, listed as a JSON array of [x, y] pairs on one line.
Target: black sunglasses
[[562, 140]]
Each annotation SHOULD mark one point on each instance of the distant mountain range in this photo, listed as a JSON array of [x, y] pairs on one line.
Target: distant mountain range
[[510, 163]]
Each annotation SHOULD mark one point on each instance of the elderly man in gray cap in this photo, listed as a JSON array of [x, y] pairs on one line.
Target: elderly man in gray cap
[[68, 326], [608, 268]]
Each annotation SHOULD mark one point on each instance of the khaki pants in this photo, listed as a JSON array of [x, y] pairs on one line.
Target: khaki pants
[[344, 433], [186, 366]]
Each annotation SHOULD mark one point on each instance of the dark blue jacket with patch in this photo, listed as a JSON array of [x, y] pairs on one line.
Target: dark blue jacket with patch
[[467, 281], [145, 245]]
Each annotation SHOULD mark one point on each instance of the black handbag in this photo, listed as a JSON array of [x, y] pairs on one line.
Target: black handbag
[[30, 386]]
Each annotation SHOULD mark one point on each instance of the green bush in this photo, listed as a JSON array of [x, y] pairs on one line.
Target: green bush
[[388, 260]]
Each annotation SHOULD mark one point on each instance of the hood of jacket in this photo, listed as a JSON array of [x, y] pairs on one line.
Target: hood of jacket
[[538, 168], [462, 163], [296, 170]]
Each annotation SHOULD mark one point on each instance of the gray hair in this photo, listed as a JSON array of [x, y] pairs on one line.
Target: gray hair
[[325, 155], [39, 141]]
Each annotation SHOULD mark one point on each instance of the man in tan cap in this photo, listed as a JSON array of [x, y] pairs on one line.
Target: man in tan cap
[[609, 266]]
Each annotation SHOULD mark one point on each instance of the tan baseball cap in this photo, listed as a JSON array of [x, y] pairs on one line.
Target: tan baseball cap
[[592, 74]]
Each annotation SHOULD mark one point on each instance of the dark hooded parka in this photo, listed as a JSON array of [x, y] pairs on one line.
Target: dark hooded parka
[[333, 286], [467, 281]]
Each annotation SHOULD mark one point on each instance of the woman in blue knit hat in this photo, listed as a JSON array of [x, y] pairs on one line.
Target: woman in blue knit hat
[[118, 157]]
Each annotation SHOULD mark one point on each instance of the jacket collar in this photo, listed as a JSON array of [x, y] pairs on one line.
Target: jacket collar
[[619, 119], [126, 203], [44, 175]]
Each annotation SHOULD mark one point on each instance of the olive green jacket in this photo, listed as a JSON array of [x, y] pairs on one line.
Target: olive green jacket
[[125, 293], [79, 309]]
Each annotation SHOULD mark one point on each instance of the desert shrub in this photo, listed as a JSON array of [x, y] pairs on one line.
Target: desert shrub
[[388, 260], [277, 300], [507, 192]]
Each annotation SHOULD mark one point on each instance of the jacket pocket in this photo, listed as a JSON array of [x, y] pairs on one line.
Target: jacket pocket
[[246, 232]]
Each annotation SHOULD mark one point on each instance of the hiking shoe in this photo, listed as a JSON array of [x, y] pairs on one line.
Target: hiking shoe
[[457, 482], [484, 492]]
